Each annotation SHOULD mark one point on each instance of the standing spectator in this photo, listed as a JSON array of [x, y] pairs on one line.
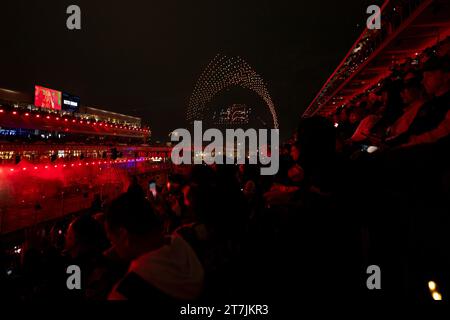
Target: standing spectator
[[85, 242], [163, 270]]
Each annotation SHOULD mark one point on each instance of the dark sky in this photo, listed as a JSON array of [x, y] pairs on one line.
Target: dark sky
[[143, 57]]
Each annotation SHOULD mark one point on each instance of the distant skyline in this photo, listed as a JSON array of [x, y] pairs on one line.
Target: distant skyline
[[143, 58]]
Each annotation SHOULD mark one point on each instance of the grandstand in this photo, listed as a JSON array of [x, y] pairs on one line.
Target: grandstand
[[408, 28], [55, 162]]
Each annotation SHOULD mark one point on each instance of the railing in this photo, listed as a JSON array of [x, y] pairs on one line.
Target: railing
[[62, 153], [393, 14], [20, 118]]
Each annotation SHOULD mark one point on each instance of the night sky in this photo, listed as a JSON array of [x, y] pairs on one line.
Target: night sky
[[143, 57]]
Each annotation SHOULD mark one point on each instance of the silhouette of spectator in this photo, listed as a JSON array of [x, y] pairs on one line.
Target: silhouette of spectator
[[85, 242], [163, 270], [433, 119]]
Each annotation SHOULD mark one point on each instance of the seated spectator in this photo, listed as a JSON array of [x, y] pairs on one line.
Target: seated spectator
[[364, 128], [433, 119], [356, 115], [163, 270], [373, 128], [345, 129], [375, 101], [413, 96]]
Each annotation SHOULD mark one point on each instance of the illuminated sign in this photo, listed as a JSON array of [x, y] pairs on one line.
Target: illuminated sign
[[4, 132], [71, 103]]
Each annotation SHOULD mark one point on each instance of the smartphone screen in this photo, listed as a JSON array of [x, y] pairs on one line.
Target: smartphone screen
[[152, 188]]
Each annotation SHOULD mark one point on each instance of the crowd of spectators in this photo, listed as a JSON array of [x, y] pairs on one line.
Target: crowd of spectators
[[370, 188], [409, 107]]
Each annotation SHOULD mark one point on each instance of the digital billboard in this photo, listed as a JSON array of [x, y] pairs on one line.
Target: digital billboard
[[70, 102], [47, 98]]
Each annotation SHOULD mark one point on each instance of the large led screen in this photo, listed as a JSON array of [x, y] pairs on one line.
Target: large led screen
[[47, 98]]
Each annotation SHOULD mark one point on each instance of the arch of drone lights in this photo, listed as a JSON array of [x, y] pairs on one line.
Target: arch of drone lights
[[223, 72]]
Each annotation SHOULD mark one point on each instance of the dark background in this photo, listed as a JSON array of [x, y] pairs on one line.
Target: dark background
[[143, 57]]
